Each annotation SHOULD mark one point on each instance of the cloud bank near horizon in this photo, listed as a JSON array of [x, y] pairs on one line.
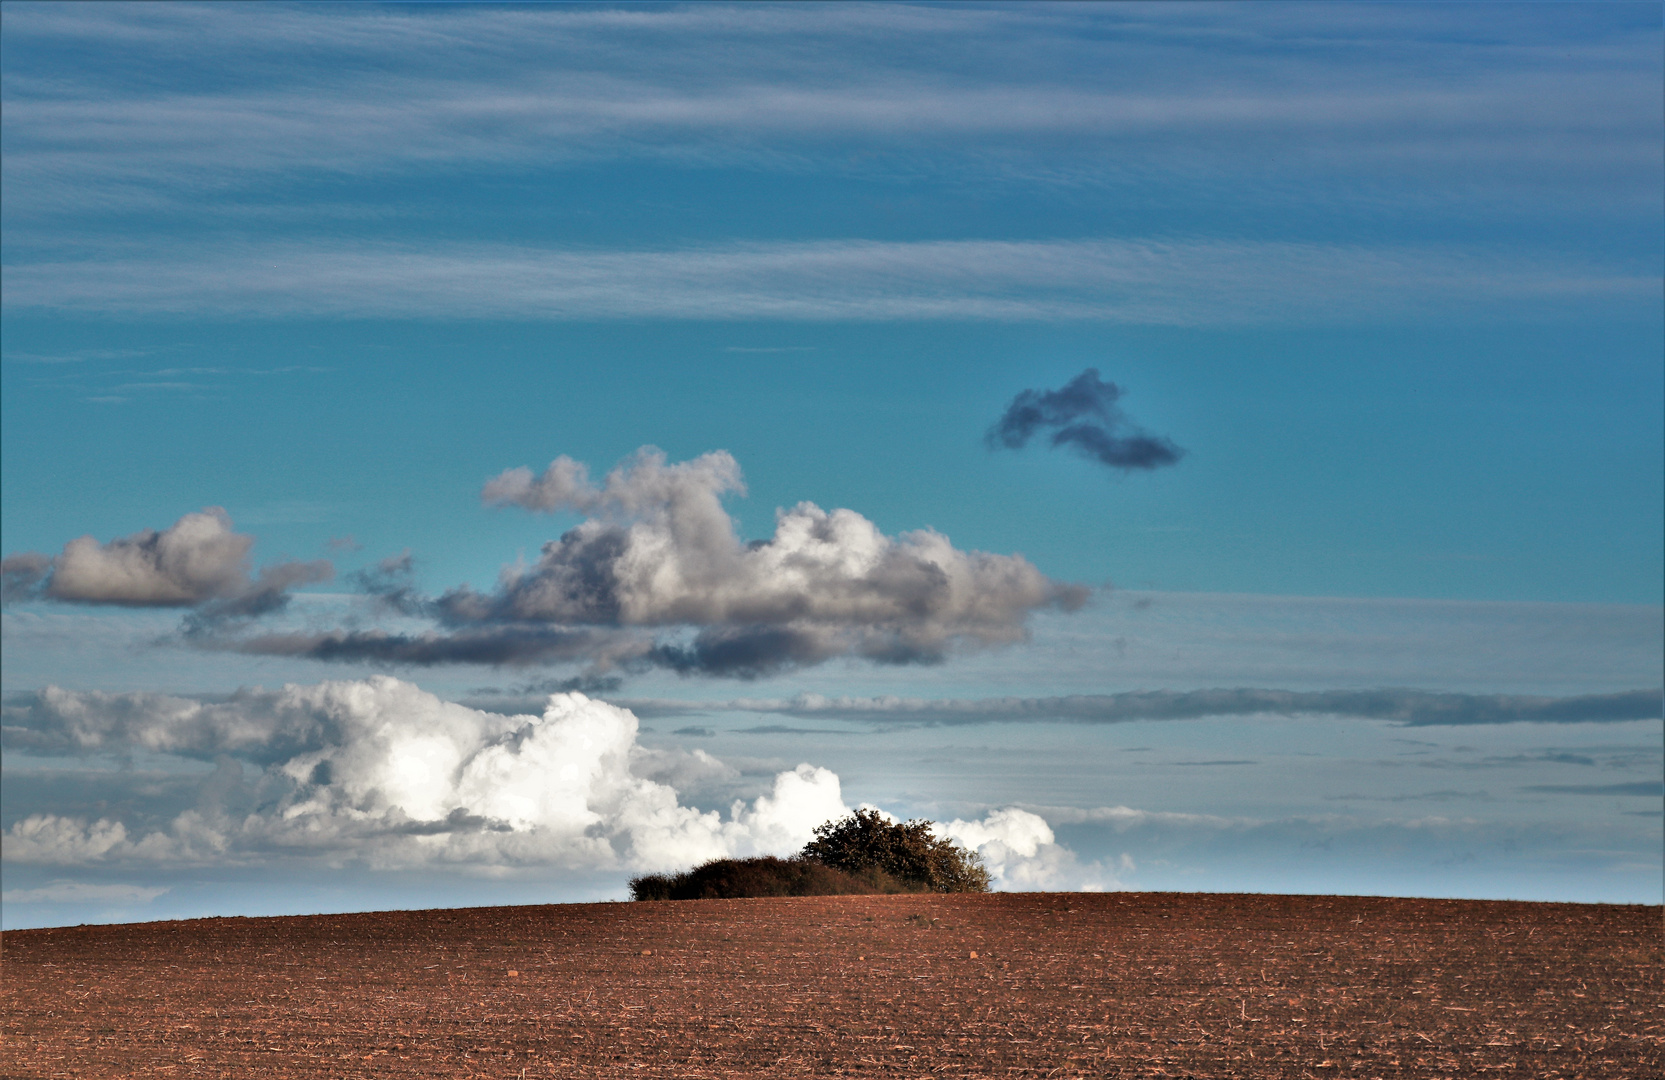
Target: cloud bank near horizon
[[380, 773], [1411, 708]]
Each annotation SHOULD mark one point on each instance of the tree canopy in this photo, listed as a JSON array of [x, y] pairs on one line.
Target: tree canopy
[[908, 851]]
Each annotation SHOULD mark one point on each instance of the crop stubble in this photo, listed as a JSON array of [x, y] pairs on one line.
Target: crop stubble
[[1120, 984]]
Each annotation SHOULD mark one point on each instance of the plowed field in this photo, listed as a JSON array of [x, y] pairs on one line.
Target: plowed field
[[1120, 984]]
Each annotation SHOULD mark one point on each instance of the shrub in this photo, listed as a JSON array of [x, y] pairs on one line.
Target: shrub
[[906, 851], [724, 879], [863, 853]]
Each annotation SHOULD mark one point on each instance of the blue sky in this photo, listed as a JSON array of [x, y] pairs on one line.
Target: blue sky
[[1389, 275]]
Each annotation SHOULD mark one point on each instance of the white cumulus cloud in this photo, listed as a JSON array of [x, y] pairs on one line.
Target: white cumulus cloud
[[49, 838], [1023, 855], [196, 558], [660, 550], [381, 772], [657, 576]]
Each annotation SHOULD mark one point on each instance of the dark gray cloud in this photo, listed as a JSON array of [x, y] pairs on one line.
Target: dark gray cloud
[[1083, 417], [1409, 707], [197, 562], [267, 593], [496, 645], [751, 651], [530, 696], [391, 581], [657, 577], [593, 685]]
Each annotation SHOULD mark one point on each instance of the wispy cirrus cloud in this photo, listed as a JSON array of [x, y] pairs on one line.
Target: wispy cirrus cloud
[[85, 374], [198, 98], [1163, 282], [187, 119], [77, 356]]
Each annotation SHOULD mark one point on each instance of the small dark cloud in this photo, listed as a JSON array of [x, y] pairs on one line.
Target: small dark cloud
[[391, 582], [344, 544], [269, 592], [22, 575], [1082, 416], [696, 731]]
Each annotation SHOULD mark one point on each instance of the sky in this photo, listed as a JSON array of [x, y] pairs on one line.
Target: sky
[[474, 454]]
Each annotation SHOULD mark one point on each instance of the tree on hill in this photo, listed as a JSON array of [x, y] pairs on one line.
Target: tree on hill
[[907, 851]]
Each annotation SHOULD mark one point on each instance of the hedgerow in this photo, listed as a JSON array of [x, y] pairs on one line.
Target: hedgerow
[[725, 879]]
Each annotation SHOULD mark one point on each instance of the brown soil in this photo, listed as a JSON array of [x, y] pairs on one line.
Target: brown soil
[[1123, 984]]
